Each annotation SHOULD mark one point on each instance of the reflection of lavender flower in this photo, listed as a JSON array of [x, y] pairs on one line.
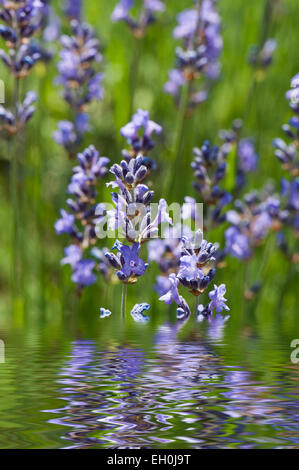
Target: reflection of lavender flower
[[80, 81], [122, 12], [137, 313], [11, 123], [84, 212], [199, 28]]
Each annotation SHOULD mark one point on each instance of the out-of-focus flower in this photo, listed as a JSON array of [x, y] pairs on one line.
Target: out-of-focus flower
[[209, 167], [81, 83], [73, 9], [83, 274], [287, 154], [138, 134], [85, 214], [199, 29], [261, 58], [147, 16]]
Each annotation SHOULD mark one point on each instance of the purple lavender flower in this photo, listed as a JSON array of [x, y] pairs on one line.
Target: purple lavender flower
[[262, 57], [83, 274], [217, 298], [22, 20], [65, 135], [104, 312], [237, 244], [65, 224], [217, 303], [122, 12], [287, 154], [173, 294], [162, 286], [176, 80], [85, 212], [199, 28], [247, 155], [73, 254], [133, 266], [73, 9], [209, 167], [80, 81], [138, 133]]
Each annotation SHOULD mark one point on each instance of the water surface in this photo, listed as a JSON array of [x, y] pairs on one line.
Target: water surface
[[200, 389]]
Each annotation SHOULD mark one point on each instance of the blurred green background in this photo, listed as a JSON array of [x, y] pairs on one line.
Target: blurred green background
[[50, 300]]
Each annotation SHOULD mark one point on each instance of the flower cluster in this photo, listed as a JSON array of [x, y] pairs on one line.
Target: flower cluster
[[73, 9], [199, 28], [195, 273], [22, 20], [138, 134], [287, 154], [81, 83], [247, 161], [122, 12], [84, 211], [11, 123], [132, 216], [166, 253], [250, 223], [209, 167]]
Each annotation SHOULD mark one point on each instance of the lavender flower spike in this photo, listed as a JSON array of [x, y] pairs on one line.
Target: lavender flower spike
[[217, 298]]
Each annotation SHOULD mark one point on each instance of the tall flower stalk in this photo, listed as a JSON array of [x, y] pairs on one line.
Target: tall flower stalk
[[21, 20], [81, 83], [132, 217], [197, 62], [82, 217], [138, 27]]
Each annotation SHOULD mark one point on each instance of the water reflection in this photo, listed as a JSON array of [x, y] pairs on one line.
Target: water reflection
[[178, 394]]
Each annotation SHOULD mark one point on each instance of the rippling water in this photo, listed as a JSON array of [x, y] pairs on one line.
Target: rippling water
[[194, 392]]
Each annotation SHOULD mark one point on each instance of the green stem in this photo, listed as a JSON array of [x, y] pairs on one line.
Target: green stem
[[179, 134], [134, 73], [123, 302], [17, 274]]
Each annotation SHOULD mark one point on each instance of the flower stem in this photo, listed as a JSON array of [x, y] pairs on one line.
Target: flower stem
[[123, 302], [17, 268], [179, 134], [134, 73]]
